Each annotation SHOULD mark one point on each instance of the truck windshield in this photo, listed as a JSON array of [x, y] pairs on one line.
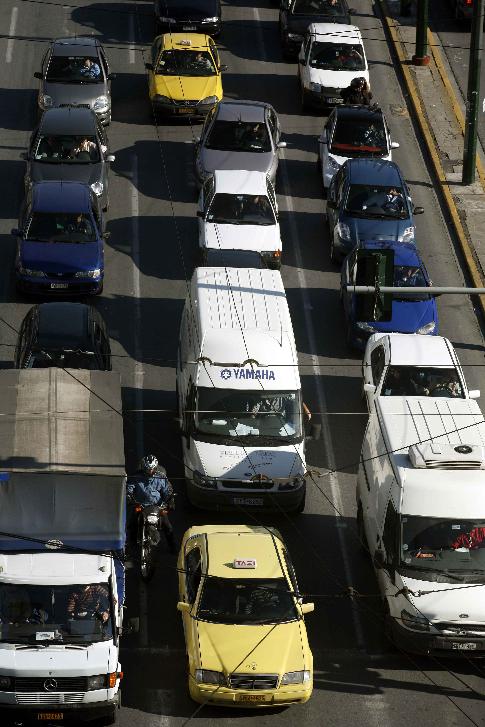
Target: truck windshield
[[248, 601], [455, 546], [74, 613], [422, 381], [249, 414]]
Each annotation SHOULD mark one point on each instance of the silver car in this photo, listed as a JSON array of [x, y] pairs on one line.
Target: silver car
[[75, 72], [239, 135]]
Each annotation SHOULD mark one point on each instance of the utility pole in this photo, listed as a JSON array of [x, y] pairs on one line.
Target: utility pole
[[421, 57], [473, 94]]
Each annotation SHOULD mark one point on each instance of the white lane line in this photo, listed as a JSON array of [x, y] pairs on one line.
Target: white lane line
[[322, 403], [131, 51], [11, 32], [135, 208]]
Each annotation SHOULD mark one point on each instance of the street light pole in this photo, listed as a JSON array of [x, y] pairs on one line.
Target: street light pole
[[473, 94], [421, 57]]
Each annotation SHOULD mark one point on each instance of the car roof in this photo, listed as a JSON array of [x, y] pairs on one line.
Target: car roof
[[373, 171], [196, 41], [241, 111], [61, 197], [335, 32], [415, 350], [78, 45], [232, 181], [68, 120], [405, 253], [63, 325]]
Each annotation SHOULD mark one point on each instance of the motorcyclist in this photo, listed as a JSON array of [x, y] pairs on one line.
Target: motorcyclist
[[151, 487], [358, 93]]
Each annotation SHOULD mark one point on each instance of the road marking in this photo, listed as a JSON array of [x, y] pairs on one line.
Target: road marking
[[11, 32], [131, 51]]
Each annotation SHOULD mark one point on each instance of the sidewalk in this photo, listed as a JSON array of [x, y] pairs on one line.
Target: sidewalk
[[441, 118]]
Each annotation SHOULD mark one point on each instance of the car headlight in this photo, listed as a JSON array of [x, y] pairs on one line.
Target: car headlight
[[210, 20], [97, 682], [407, 235], [167, 20], [31, 273], [209, 99], [97, 188], [294, 36], [45, 101], [204, 481], [428, 328], [317, 87], [101, 103], [343, 231], [414, 621], [207, 676], [162, 99], [5, 682], [296, 677], [333, 165], [293, 484], [88, 273], [365, 327]]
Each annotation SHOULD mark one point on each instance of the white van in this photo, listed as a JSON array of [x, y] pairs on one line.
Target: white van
[[239, 393], [421, 513]]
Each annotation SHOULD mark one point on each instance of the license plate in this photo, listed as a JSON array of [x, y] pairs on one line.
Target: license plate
[[189, 27], [334, 100], [248, 501], [253, 697], [50, 715], [464, 645], [59, 285], [186, 110]]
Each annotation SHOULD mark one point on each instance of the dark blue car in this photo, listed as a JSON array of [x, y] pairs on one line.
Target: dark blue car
[[368, 199], [60, 240], [410, 314]]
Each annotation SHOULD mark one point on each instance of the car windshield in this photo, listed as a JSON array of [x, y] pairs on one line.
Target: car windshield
[[367, 200], [67, 149], [62, 359], [249, 415], [454, 545], [246, 601], [61, 227], [337, 56], [318, 7], [186, 63], [239, 136], [76, 613], [422, 381], [74, 69], [409, 276], [241, 209], [359, 138]]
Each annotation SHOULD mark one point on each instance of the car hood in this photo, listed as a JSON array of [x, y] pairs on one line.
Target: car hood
[[60, 257], [182, 88], [336, 79], [74, 94], [447, 601], [375, 229], [408, 316], [242, 463], [58, 660], [87, 173], [241, 237], [212, 159], [253, 649]]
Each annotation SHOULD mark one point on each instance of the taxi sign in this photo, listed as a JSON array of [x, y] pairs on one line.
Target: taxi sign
[[186, 41], [244, 563]]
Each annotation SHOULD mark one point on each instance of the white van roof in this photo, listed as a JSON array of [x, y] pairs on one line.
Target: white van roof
[[232, 181], [243, 318], [336, 32]]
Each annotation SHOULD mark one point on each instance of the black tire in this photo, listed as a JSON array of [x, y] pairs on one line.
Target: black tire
[[333, 256], [147, 569], [388, 628], [304, 105], [101, 289], [110, 719], [301, 505]]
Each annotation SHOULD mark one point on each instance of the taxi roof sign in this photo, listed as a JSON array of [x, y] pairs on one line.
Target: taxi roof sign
[[185, 41], [245, 563]]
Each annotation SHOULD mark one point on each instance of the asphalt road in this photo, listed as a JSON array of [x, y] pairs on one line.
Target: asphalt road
[[150, 255]]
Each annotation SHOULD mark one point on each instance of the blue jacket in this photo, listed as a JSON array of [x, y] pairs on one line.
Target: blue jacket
[[150, 490]]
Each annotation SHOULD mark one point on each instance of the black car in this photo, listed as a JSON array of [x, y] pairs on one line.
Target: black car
[[70, 144], [69, 335], [193, 16], [297, 15]]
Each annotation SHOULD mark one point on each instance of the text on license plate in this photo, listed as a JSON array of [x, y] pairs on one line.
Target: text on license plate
[[59, 285], [253, 697], [334, 100], [189, 27], [50, 715], [185, 110], [464, 645], [248, 501]]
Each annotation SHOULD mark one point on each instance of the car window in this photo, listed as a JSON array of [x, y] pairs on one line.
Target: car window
[[61, 227], [185, 63], [248, 601], [104, 62], [291, 572], [272, 123], [409, 276], [318, 7], [193, 567], [241, 209], [239, 136], [377, 361], [71, 69], [336, 56], [306, 46], [422, 381], [156, 49], [66, 149], [376, 201], [354, 137]]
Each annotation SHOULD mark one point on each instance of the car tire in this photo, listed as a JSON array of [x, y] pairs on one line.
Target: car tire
[[304, 105], [301, 505]]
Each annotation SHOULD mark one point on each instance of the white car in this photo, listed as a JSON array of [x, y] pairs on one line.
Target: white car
[[331, 56], [353, 132], [405, 365], [238, 212]]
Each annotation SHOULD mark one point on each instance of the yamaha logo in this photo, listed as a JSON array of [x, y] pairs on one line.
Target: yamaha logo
[[50, 685], [226, 374], [463, 449]]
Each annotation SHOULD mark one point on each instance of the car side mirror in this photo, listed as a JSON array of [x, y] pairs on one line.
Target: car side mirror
[[394, 145], [200, 213], [307, 607], [378, 560], [183, 607], [223, 67], [38, 75], [281, 145], [418, 210], [149, 66], [369, 388], [110, 158], [111, 76], [474, 394], [16, 232]]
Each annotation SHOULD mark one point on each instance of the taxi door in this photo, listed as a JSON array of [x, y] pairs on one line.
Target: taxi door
[[189, 584], [304, 67], [155, 53]]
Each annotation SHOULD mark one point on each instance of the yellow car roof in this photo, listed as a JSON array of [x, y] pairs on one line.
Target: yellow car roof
[[193, 41]]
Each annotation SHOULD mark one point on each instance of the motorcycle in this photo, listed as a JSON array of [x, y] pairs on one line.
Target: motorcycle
[[148, 535]]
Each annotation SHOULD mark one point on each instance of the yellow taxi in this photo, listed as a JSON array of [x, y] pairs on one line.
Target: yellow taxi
[[245, 634], [184, 76]]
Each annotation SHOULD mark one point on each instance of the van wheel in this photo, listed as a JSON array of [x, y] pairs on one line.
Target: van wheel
[[301, 506], [361, 530]]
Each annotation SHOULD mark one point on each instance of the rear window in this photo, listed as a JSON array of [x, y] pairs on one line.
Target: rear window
[[318, 7], [355, 137]]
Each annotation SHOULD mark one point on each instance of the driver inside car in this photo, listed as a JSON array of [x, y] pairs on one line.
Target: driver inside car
[[87, 600]]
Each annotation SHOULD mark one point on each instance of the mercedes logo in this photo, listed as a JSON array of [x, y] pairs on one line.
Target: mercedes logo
[[463, 449], [50, 685]]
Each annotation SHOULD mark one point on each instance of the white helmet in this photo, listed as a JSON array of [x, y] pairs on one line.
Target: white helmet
[[149, 464]]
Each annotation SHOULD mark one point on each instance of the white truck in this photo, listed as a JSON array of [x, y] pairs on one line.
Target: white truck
[[421, 514], [239, 393], [62, 522]]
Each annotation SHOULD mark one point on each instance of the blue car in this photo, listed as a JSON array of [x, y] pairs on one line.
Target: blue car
[[368, 199], [410, 314], [60, 240]]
